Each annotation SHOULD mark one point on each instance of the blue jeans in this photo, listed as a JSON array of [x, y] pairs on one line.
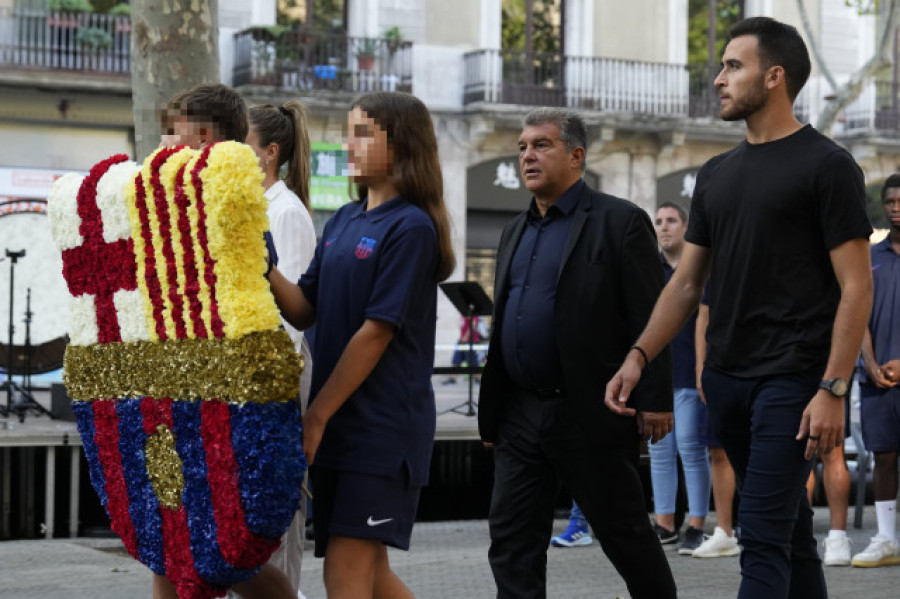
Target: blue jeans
[[687, 439], [576, 516], [757, 420]]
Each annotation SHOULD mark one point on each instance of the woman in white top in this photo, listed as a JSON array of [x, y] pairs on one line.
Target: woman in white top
[[278, 135]]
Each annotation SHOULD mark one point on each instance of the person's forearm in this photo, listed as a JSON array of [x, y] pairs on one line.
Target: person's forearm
[[700, 340], [356, 363], [291, 302], [868, 352], [678, 300], [850, 326]]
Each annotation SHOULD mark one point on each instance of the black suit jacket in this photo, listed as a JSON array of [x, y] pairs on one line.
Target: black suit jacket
[[609, 279]]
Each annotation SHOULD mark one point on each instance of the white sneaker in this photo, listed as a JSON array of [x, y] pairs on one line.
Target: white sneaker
[[880, 552], [719, 544], [837, 551]]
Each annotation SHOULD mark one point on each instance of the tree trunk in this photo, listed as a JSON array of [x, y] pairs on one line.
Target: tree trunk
[[845, 94], [174, 45]]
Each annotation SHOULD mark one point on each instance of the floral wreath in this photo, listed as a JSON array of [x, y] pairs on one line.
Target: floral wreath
[[183, 383]]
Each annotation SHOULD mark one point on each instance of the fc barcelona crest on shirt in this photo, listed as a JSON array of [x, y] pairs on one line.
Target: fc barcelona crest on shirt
[[364, 248], [183, 384]]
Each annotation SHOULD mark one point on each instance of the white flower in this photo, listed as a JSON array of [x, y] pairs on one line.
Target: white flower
[[111, 200], [83, 320], [130, 314], [62, 209]]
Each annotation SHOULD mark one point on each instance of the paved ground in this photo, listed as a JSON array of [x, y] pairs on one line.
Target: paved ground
[[447, 560]]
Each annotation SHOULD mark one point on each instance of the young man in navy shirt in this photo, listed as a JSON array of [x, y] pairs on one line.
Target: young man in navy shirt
[[880, 394]]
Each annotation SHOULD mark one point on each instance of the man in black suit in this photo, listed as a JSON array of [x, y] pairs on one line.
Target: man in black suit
[[577, 276]]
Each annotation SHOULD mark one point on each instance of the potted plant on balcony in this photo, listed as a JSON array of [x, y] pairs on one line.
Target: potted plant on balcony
[[365, 53], [95, 40], [393, 37]]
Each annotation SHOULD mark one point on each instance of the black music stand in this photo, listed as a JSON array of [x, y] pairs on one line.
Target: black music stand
[[470, 299], [18, 398]]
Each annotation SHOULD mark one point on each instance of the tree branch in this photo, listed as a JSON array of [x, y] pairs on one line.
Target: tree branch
[[814, 46], [881, 59]]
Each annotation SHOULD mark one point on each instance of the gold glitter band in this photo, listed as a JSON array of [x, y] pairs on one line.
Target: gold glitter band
[[260, 367], [164, 467]]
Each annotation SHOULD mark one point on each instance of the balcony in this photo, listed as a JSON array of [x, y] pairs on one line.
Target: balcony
[[602, 84], [48, 41], [606, 85], [297, 61], [877, 108]]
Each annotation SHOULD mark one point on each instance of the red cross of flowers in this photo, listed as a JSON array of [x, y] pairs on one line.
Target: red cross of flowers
[[97, 267]]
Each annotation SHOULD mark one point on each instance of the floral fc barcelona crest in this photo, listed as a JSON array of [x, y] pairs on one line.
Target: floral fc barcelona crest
[[182, 383]]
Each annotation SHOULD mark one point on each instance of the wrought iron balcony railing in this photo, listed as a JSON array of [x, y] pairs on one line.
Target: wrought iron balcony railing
[[59, 41], [595, 83], [876, 108], [297, 61], [605, 84]]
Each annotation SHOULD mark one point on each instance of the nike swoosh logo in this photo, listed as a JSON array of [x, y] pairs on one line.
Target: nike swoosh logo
[[372, 522]]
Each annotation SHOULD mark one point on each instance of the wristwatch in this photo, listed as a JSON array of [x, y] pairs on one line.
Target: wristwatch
[[837, 387]]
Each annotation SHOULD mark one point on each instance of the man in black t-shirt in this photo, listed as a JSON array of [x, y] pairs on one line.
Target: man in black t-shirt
[[779, 228]]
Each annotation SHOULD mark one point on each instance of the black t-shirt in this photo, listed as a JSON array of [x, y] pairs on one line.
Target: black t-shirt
[[770, 213]]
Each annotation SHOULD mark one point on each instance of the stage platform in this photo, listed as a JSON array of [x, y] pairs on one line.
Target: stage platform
[[45, 438], [43, 433]]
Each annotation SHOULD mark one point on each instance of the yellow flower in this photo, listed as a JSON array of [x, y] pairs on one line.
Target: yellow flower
[[236, 221]]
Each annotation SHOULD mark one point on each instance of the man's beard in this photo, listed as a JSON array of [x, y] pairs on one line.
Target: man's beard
[[753, 101]]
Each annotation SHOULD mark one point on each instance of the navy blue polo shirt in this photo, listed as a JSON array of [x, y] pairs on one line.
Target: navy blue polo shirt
[[884, 322], [684, 354], [528, 335], [377, 264]]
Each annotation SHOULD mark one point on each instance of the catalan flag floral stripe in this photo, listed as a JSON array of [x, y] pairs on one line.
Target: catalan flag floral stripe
[[146, 258], [189, 260], [209, 276]]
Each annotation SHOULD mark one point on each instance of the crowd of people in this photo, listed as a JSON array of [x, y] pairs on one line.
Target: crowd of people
[[726, 338]]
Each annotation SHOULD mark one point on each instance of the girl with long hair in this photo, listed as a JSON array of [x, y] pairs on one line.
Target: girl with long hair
[[372, 290]]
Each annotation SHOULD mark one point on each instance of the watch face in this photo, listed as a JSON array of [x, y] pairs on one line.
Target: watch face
[[839, 387]]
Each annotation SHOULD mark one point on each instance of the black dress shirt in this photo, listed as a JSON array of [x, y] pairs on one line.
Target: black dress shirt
[[528, 342]]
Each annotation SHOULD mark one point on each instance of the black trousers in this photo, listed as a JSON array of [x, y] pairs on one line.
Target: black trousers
[[539, 445]]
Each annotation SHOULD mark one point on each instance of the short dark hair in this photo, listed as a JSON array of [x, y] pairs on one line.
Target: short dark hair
[[223, 106], [780, 45], [892, 181], [682, 213], [572, 131]]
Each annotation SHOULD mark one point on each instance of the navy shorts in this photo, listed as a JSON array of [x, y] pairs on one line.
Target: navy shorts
[[880, 415], [358, 505]]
